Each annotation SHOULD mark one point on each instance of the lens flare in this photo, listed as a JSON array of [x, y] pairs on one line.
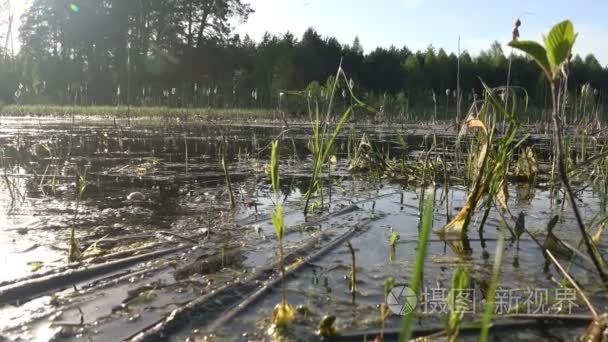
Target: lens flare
[[74, 8]]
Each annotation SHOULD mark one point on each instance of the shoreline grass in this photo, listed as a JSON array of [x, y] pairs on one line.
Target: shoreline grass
[[532, 115], [134, 112]]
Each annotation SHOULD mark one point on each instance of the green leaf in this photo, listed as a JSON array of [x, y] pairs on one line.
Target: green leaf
[[520, 225], [277, 221], [274, 166], [393, 238], [536, 51], [559, 43]]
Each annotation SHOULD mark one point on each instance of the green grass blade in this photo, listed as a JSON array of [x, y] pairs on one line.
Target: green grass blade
[[274, 166], [487, 315], [424, 231]]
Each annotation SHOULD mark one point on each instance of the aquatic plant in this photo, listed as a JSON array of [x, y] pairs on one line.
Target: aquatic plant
[[460, 222], [520, 226], [393, 238], [415, 284], [489, 157], [490, 295], [186, 154], [353, 271], [321, 144], [283, 312], [274, 167], [74, 253], [47, 150], [12, 190], [326, 326], [526, 166], [596, 331], [384, 311], [137, 113], [552, 59], [457, 302], [227, 178], [392, 242], [367, 157]]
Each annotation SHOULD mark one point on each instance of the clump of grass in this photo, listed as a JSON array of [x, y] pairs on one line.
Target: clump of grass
[[490, 158], [74, 253], [321, 144], [366, 157], [44, 148], [526, 166], [136, 112]]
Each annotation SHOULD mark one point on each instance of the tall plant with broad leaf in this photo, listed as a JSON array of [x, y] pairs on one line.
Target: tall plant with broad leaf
[[552, 58]]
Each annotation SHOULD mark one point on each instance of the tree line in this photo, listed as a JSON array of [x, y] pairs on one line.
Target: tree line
[[184, 53]]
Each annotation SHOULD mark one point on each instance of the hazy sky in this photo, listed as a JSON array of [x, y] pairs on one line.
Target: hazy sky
[[418, 23], [18, 7]]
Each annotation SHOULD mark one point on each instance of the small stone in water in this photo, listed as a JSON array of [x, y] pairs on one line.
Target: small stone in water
[[136, 197], [134, 317]]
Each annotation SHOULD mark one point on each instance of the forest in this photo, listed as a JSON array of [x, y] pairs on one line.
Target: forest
[[183, 53]]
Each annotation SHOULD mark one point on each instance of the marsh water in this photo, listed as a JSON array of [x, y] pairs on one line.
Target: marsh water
[[180, 264]]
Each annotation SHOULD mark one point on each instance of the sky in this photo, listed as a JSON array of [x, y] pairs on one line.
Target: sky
[[18, 7], [419, 23]]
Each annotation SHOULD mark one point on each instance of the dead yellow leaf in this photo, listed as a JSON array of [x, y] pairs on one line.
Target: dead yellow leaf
[[457, 226], [35, 265]]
